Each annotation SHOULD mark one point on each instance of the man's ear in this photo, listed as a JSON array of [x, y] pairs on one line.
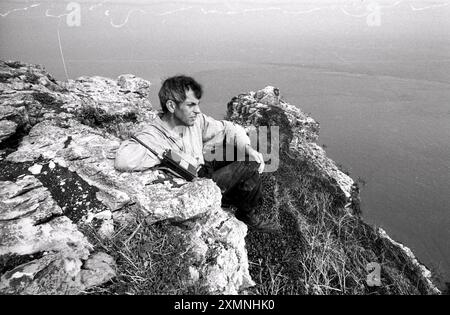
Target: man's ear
[[170, 106]]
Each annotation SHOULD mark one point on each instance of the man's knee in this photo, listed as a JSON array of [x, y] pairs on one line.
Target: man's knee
[[251, 182], [248, 167]]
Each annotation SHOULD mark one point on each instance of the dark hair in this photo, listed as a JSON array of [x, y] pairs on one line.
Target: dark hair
[[175, 89]]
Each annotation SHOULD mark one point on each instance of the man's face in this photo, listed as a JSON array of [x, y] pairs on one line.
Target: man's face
[[186, 113]]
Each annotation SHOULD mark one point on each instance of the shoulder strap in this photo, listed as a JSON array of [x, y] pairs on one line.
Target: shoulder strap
[[147, 147], [168, 136]]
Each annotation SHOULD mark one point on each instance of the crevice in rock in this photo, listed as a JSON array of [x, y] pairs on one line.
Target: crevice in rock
[[67, 142], [48, 219], [97, 117], [14, 64], [118, 124], [27, 214], [12, 143], [25, 190], [48, 101], [4, 77], [10, 261]]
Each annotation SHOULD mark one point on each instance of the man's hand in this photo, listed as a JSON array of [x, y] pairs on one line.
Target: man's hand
[[256, 156]]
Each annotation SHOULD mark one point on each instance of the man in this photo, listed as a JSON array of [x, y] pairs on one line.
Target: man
[[183, 128]]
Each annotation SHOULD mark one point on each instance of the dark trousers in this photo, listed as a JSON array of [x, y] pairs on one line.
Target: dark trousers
[[239, 182]]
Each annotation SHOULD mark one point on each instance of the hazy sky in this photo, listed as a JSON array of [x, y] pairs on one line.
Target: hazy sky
[[297, 32]]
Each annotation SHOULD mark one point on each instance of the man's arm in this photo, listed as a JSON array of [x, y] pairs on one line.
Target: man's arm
[[218, 130], [132, 156]]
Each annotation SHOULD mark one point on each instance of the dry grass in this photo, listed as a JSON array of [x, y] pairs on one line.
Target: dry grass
[[121, 126], [321, 248], [149, 259]]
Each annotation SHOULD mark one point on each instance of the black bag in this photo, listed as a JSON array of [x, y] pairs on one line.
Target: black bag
[[174, 162]]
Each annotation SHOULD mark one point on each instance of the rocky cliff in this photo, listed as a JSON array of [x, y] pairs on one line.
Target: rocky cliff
[[70, 223]]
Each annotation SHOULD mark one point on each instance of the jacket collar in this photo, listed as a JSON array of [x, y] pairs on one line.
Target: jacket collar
[[170, 134]]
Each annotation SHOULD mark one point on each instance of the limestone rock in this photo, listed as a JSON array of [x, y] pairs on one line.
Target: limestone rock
[[268, 96], [51, 274], [31, 223], [28, 224], [44, 140], [105, 97], [98, 101], [6, 112], [22, 237], [179, 204], [248, 109], [133, 84], [7, 129], [106, 229], [35, 169], [91, 156], [73, 126], [218, 254], [26, 197], [60, 273], [217, 241], [98, 269]]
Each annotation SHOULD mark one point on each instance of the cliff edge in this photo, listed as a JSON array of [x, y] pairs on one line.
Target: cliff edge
[[71, 224]]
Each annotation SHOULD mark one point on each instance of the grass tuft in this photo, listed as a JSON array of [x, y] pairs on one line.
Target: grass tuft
[[149, 259], [117, 125], [321, 248]]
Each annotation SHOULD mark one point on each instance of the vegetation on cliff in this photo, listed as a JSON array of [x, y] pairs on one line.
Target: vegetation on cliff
[[323, 245]]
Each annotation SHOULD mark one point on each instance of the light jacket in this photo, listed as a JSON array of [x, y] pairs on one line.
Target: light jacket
[[191, 141]]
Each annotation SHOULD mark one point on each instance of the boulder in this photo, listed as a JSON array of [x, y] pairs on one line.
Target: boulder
[[32, 223], [26, 198], [217, 253], [91, 156], [110, 99], [133, 84], [59, 273], [7, 129]]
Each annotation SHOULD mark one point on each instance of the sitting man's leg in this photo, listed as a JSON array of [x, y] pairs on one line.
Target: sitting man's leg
[[240, 183]]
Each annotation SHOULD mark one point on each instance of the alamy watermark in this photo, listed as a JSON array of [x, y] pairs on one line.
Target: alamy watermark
[[374, 274], [374, 15], [264, 139], [73, 18]]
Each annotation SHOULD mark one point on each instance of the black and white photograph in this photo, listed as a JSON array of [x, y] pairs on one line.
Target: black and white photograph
[[224, 154]]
